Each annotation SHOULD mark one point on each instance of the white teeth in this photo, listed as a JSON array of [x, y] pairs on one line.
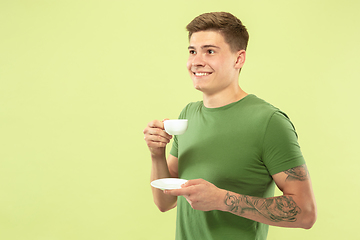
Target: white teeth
[[201, 74]]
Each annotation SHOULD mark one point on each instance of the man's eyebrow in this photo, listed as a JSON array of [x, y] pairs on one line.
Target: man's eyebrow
[[210, 46], [204, 46]]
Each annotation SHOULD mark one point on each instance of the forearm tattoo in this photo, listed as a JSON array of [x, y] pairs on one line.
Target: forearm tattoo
[[297, 173], [276, 209]]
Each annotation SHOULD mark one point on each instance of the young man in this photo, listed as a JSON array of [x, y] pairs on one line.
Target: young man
[[236, 147]]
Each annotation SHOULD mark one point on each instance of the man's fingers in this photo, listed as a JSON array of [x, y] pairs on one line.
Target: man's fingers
[[156, 139], [155, 136], [156, 124], [178, 192], [159, 132], [192, 182], [172, 192], [156, 128], [186, 188]]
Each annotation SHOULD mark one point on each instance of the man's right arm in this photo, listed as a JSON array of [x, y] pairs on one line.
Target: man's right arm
[[157, 139]]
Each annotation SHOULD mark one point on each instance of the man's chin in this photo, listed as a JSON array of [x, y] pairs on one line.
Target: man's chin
[[197, 87]]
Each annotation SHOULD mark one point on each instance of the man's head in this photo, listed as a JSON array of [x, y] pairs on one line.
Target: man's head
[[229, 26], [217, 43]]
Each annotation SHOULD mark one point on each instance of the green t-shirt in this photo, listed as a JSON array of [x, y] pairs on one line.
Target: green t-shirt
[[236, 147]]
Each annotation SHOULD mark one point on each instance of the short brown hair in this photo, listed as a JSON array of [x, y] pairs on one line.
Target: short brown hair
[[232, 29]]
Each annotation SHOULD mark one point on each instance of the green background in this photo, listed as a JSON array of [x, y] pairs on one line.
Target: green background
[[79, 81]]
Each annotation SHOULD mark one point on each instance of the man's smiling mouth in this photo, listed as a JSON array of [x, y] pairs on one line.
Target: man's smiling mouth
[[200, 74]]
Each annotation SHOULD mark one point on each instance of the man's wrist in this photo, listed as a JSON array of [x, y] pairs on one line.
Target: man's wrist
[[231, 202], [158, 156], [222, 201]]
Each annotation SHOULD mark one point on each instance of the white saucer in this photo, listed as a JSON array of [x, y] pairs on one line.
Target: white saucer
[[168, 183]]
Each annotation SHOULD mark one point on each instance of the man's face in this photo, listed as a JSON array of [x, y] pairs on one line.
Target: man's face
[[212, 66]]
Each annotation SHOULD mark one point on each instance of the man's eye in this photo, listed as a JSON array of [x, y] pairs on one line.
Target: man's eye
[[211, 51], [192, 52]]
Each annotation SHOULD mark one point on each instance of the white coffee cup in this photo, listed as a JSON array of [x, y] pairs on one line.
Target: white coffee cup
[[176, 126]]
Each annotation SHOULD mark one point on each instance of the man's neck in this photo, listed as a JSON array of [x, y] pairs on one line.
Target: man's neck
[[223, 98]]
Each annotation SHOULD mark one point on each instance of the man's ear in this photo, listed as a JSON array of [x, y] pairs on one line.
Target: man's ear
[[240, 59]]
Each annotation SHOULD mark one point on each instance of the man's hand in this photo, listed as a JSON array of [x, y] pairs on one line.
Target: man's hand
[[200, 194], [156, 138]]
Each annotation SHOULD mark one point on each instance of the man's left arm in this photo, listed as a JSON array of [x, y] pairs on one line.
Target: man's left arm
[[295, 208]]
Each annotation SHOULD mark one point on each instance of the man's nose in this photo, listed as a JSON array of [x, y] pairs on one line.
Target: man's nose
[[198, 61]]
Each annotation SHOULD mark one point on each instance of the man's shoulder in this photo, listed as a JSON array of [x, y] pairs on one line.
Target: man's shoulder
[[264, 109], [191, 107], [258, 104]]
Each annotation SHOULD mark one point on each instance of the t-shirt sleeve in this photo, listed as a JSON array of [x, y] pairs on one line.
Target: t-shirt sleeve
[[281, 150]]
